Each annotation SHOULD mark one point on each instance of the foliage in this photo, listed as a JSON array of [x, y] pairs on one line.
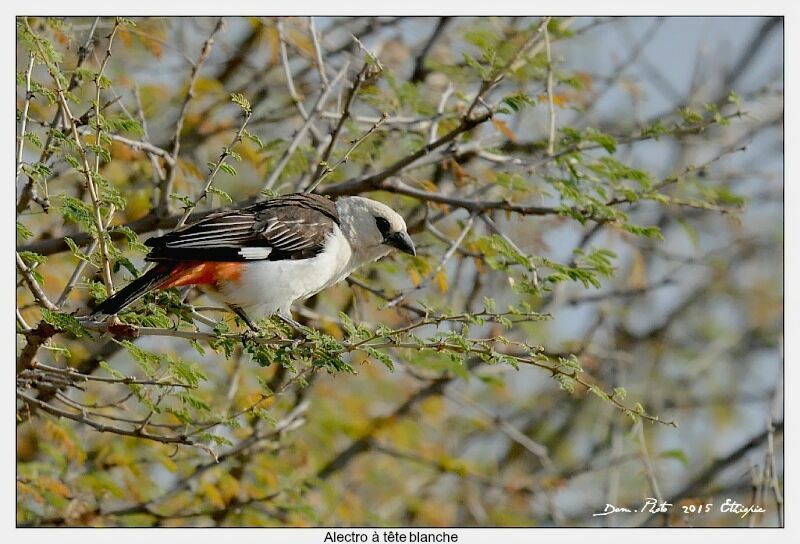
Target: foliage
[[524, 202]]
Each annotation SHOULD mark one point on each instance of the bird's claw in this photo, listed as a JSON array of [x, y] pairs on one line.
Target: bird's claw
[[250, 334], [297, 327]]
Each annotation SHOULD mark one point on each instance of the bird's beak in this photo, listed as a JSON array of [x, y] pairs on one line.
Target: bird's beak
[[402, 241]]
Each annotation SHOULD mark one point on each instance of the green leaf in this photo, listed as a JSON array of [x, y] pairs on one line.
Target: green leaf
[[113, 371], [222, 194], [131, 238], [147, 361], [690, 116], [677, 454], [240, 100], [32, 259], [652, 232], [253, 138], [33, 139], [102, 152], [76, 251], [194, 401], [121, 262], [379, 356], [77, 211], [186, 373], [519, 101], [608, 142], [495, 246], [23, 231], [228, 169], [64, 322], [122, 123], [187, 202]]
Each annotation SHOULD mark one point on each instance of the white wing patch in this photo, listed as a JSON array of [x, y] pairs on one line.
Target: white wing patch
[[255, 253]]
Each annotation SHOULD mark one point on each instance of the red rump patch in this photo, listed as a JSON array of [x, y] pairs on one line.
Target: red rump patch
[[203, 273]]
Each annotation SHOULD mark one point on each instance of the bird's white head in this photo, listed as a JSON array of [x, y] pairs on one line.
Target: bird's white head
[[372, 228]]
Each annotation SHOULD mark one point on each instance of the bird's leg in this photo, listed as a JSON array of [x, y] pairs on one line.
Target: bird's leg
[[286, 317], [249, 322]]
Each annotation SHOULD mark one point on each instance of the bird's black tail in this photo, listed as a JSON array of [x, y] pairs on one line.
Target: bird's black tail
[[134, 290]]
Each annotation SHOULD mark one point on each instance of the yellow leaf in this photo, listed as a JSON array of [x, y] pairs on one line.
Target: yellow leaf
[[54, 486], [25, 489], [62, 437], [228, 487], [415, 277], [207, 85], [190, 169], [559, 99], [138, 205], [441, 281], [61, 37], [460, 175], [212, 494], [152, 45], [272, 39], [249, 153], [637, 276], [301, 41], [585, 79], [427, 184], [503, 127], [125, 37], [167, 462]]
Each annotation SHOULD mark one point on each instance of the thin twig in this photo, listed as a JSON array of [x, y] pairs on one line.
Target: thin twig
[[529, 48], [287, 71], [322, 165], [646, 461], [105, 264], [455, 244], [539, 450], [33, 285], [312, 29], [93, 194], [166, 187], [24, 120], [102, 427], [87, 172], [74, 374], [287, 154], [434, 128], [140, 145], [551, 140], [76, 275], [420, 71], [158, 172], [354, 144], [371, 182], [24, 327], [29, 191], [222, 158]]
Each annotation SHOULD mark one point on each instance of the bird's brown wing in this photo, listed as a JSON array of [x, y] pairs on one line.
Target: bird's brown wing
[[287, 227]]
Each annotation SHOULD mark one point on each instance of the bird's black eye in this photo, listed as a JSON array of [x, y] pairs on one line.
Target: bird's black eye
[[383, 225]]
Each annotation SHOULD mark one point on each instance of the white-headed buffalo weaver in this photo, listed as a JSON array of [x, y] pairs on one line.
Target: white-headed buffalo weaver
[[261, 258]]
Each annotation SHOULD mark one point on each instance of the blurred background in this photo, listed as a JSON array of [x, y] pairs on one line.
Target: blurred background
[[689, 325]]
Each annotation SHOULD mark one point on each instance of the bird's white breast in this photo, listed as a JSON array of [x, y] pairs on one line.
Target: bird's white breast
[[267, 287]]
